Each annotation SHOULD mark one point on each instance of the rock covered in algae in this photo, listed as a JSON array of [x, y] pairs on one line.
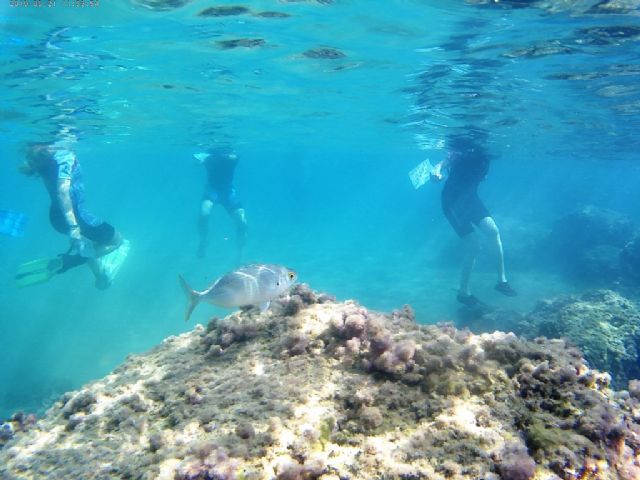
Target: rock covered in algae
[[315, 389], [602, 323]]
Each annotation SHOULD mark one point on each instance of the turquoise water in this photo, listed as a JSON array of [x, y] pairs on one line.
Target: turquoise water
[[325, 147]]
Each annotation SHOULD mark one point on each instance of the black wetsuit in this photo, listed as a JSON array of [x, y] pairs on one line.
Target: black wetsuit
[[220, 170], [219, 187], [460, 202]]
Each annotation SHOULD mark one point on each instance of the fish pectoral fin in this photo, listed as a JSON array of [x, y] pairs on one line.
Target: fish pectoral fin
[[264, 306]]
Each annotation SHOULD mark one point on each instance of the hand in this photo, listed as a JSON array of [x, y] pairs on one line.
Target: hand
[[79, 245], [74, 233], [435, 177]]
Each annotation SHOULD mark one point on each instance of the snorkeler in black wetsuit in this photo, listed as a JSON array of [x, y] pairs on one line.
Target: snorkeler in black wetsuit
[[220, 164], [467, 164]]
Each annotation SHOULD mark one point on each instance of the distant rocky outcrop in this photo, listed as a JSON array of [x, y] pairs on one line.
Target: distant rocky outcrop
[[630, 260], [593, 245], [315, 389], [602, 323]]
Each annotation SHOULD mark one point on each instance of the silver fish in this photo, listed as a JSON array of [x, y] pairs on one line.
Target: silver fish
[[250, 285]]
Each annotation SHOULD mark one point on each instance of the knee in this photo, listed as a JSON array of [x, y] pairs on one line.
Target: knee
[[489, 228], [205, 208], [494, 233], [240, 218]]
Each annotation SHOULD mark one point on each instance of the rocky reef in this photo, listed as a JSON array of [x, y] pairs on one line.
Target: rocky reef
[[602, 323], [315, 389]]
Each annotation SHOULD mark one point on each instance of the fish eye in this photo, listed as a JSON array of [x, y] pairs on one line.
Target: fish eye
[[291, 275]]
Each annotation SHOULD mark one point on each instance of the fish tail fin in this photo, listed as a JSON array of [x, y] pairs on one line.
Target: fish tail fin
[[193, 297]]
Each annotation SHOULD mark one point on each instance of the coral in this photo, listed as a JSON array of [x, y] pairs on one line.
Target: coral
[[293, 306], [211, 463], [306, 471], [371, 417], [221, 335], [81, 402], [245, 431], [6, 433], [296, 343], [516, 464]]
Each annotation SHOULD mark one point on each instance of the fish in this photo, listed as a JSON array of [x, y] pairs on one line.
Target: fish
[[255, 284]]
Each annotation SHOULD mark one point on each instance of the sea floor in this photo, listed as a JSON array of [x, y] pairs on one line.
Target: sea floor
[[433, 295]]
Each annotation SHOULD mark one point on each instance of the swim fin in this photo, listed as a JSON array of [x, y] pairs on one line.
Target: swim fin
[[37, 271]]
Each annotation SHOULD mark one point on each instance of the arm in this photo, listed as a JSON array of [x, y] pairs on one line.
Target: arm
[[64, 197], [66, 161], [437, 173]]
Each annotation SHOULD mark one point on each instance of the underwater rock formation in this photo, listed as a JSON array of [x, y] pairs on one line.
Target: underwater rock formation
[[630, 260], [315, 389], [587, 243], [602, 323]]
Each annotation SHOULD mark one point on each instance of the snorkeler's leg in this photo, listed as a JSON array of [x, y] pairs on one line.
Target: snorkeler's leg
[[203, 226], [240, 219], [489, 228], [102, 280], [470, 251], [491, 231]]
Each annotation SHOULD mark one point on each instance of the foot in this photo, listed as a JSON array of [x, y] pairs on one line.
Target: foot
[[55, 264], [102, 281], [505, 289], [468, 300]]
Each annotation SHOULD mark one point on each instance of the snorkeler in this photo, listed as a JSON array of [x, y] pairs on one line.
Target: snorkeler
[[220, 163], [467, 164], [90, 237]]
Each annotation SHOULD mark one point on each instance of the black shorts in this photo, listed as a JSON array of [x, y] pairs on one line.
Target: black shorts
[[463, 208], [227, 198], [91, 227]]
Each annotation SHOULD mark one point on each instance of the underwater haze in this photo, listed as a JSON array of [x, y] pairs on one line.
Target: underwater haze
[[328, 104]]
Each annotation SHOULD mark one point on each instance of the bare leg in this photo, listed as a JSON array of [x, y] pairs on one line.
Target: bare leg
[[240, 220], [470, 252], [102, 280], [490, 230], [203, 226]]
